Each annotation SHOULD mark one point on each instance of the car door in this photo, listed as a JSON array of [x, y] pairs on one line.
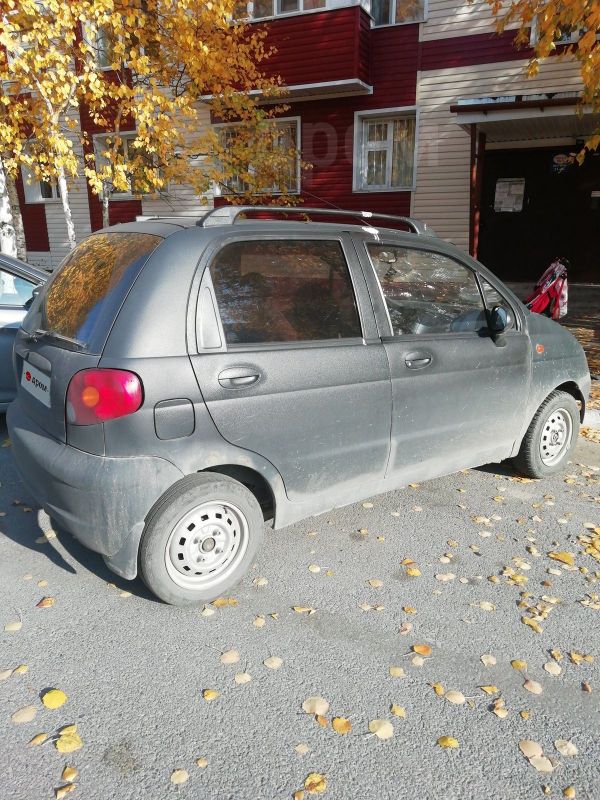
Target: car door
[[458, 392], [290, 363], [15, 293]]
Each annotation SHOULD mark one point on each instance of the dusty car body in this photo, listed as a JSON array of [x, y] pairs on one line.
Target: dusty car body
[[271, 370]]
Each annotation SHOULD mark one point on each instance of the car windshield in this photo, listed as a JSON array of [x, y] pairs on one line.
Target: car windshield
[[83, 300]]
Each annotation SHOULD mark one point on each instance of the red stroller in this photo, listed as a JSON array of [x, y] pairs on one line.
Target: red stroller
[[551, 293]]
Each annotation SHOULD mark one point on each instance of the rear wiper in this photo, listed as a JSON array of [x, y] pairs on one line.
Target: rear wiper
[[38, 334]]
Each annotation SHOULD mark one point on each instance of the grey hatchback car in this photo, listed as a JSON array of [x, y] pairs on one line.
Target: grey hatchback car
[[183, 381]]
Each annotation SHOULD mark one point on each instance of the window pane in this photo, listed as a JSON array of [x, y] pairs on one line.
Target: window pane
[[494, 298], [410, 10], [377, 131], [262, 8], [403, 152], [14, 291], [376, 167], [427, 292], [287, 6], [274, 291], [46, 190], [380, 11], [309, 5]]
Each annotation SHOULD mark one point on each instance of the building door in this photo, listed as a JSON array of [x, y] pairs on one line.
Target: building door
[[538, 205]]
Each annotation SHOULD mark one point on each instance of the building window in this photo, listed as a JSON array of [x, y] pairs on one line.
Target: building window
[[128, 152], [272, 8], [397, 12], [385, 152], [287, 138], [37, 191]]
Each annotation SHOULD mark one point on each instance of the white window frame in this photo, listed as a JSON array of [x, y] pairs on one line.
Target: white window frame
[[330, 5], [573, 38], [221, 192], [406, 22], [358, 170], [98, 138], [32, 188]]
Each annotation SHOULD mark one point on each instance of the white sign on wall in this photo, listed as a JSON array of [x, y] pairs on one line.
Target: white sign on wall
[[510, 193]]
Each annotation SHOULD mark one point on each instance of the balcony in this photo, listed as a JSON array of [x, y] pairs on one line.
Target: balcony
[[322, 53]]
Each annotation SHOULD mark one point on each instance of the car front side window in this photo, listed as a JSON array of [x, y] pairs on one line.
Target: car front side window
[[14, 290], [427, 292], [284, 291]]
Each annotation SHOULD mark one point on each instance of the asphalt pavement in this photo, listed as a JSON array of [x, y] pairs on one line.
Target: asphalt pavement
[[443, 565]]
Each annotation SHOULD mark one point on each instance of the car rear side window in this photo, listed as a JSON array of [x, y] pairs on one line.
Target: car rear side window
[[284, 291], [427, 292], [84, 298]]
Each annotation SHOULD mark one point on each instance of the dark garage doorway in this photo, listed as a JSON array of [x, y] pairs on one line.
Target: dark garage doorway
[[555, 206]]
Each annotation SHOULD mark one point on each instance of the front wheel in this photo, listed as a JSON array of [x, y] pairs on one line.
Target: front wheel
[[551, 437], [200, 539]]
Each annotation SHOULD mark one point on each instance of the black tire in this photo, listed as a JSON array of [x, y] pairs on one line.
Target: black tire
[[529, 462], [241, 527]]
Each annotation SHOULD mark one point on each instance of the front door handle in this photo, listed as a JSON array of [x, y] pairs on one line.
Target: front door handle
[[238, 377], [417, 361]]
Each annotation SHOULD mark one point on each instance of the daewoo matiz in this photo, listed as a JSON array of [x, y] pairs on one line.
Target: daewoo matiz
[[182, 381]]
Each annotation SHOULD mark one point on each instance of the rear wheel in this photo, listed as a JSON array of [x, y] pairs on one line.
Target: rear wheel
[[551, 437], [200, 539]]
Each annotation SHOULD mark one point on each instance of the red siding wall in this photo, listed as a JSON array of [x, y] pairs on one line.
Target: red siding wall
[[464, 51], [312, 48], [34, 222]]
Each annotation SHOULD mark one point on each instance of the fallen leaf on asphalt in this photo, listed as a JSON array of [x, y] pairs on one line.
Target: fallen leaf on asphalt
[[455, 697], [524, 714], [5, 674], [42, 583], [304, 609], [490, 689], [541, 764], [533, 686], [202, 762], [341, 725], [569, 791], [405, 628], [207, 611], [381, 728], [210, 694], [68, 741], [397, 672], [586, 687], [315, 705], [273, 662], [21, 669], [484, 605], [553, 668], [11, 627], [422, 649], [62, 791], [444, 577], [448, 742], [69, 774], [398, 711], [230, 657], [260, 581], [315, 783], [500, 712], [438, 689], [124, 594], [54, 698], [532, 623], [488, 661], [367, 505], [565, 747], [259, 622], [375, 583], [179, 776], [517, 663], [302, 748], [579, 658], [242, 677], [23, 715], [530, 749], [314, 568], [413, 572], [563, 557], [417, 661], [221, 602], [39, 738], [409, 609]]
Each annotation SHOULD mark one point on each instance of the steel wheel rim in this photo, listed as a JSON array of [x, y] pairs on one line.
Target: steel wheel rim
[[206, 545], [556, 436]]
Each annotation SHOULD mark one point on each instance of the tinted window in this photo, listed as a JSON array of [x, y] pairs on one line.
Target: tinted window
[[85, 296], [427, 292], [14, 291], [284, 291], [494, 298]]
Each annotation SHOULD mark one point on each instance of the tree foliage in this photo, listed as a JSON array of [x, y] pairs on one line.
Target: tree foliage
[[553, 19]]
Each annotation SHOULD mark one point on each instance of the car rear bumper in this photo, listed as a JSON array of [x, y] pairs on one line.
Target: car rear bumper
[[102, 501]]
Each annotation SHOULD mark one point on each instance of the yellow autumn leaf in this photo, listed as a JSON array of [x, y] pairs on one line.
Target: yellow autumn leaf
[[68, 742], [341, 725], [210, 694], [304, 609], [179, 776], [315, 705], [62, 791], [398, 711], [489, 689], [517, 663], [532, 623], [409, 609], [321, 720], [414, 572], [229, 657], [563, 557], [39, 738], [45, 602], [448, 742], [54, 698], [69, 774], [438, 688], [202, 762], [221, 602], [422, 649], [315, 783], [381, 728], [273, 662]]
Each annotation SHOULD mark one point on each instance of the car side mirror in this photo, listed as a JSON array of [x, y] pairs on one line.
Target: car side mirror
[[498, 320]]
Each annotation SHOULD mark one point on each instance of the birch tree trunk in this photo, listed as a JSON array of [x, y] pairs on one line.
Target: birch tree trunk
[[64, 199], [105, 206], [15, 208], [8, 242]]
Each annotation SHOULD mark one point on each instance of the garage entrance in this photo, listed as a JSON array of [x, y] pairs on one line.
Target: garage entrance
[[536, 205]]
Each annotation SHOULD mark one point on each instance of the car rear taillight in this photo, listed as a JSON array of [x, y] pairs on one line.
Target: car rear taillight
[[98, 395]]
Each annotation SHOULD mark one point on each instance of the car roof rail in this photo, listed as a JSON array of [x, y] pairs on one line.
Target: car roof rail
[[228, 215]]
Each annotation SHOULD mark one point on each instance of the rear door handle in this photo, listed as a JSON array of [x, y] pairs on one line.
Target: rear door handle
[[417, 361], [238, 377]]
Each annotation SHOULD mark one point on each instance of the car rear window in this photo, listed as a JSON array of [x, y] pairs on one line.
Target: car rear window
[[84, 298]]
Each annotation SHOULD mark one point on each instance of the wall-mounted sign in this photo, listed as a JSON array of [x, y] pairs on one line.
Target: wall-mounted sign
[[561, 162], [510, 193]]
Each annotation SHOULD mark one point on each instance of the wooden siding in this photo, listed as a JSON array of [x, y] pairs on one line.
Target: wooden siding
[[443, 156], [447, 18], [313, 48]]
